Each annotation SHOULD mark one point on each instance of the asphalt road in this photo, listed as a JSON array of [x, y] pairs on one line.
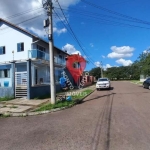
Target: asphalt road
[[118, 119]]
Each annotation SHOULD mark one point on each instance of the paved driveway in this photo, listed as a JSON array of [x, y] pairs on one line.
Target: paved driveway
[[118, 119]]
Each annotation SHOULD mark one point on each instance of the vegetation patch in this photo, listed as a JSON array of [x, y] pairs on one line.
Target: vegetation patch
[[77, 98], [13, 106], [58, 104], [136, 82], [6, 98]]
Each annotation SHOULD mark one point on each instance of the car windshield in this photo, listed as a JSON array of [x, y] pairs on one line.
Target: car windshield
[[102, 79]]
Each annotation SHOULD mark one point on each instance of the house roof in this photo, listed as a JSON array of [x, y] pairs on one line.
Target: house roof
[[25, 31]]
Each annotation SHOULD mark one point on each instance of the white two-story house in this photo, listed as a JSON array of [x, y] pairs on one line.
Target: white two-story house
[[24, 63]]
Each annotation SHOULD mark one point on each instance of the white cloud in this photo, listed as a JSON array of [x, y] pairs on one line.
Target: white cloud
[[70, 49], [59, 31], [67, 3], [146, 51], [34, 7], [124, 62], [91, 44], [107, 66], [103, 56], [121, 52], [116, 55], [123, 49], [40, 33], [97, 64]]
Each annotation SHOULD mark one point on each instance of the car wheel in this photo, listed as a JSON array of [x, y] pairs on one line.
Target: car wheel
[[149, 87], [97, 89], [143, 86]]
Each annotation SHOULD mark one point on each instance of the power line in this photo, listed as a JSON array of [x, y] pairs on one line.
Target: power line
[[74, 33], [67, 28], [103, 17], [116, 13], [63, 23], [22, 13], [111, 22], [118, 2], [23, 21]]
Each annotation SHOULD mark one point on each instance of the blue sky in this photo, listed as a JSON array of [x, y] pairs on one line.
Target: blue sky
[[98, 36], [103, 35]]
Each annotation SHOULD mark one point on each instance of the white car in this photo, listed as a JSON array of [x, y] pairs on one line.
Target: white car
[[103, 83]]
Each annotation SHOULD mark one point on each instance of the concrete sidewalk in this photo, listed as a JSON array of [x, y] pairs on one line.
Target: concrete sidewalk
[[22, 105]]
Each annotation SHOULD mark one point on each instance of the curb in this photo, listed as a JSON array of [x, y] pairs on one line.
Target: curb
[[7, 114], [135, 83]]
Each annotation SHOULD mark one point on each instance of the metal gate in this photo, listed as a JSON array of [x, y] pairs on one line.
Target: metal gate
[[20, 84]]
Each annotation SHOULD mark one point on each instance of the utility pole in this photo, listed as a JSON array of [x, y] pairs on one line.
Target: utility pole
[[101, 70], [48, 5]]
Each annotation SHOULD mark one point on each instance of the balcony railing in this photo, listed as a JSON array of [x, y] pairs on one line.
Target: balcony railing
[[37, 54], [59, 61]]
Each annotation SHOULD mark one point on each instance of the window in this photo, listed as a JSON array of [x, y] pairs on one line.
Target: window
[[2, 50], [5, 73], [41, 48], [102, 79], [20, 47]]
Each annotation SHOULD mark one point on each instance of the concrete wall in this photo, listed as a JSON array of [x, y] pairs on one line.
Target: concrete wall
[[6, 92], [39, 91], [9, 38]]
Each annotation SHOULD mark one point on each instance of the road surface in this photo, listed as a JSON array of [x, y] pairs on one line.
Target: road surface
[[118, 119]]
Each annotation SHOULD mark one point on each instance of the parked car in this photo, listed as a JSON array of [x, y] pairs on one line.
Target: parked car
[[103, 83], [146, 83]]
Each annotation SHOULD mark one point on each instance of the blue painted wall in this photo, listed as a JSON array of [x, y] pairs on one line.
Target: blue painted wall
[[40, 91], [21, 67], [5, 67], [6, 92]]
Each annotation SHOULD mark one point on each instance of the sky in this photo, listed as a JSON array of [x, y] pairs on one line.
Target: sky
[[110, 33]]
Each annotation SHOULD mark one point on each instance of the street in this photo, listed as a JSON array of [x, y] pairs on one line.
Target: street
[[116, 119]]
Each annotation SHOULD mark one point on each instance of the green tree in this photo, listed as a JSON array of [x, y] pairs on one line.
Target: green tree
[[96, 72]]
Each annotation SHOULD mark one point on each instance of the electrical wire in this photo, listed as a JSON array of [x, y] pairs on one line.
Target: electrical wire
[[115, 13], [64, 25], [74, 33], [22, 13], [103, 17], [23, 21], [111, 22]]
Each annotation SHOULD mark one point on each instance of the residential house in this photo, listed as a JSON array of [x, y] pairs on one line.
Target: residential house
[[24, 63]]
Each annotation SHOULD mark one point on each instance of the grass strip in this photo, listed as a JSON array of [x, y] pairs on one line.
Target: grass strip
[[76, 98]]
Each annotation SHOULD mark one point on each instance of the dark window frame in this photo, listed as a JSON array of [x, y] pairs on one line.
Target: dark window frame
[[20, 47], [6, 73], [3, 50]]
